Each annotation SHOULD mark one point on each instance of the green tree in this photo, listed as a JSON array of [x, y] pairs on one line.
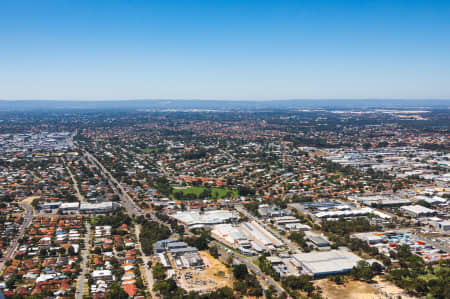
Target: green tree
[[240, 271], [214, 251], [159, 272]]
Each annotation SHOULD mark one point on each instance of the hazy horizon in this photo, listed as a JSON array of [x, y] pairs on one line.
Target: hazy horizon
[[219, 105]]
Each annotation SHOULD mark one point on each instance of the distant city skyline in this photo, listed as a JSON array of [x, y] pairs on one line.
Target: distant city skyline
[[233, 50]]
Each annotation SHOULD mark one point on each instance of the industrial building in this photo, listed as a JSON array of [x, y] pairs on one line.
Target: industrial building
[[285, 265], [381, 200], [371, 238], [185, 257], [197, 219], [419, 211], [290, 224], [268, 211], [344, 213], [444, 225], [325, 263], [435, 200], [318, 240], [248, 237], [164, 260], [388, 241], [160, 246], [335, 209], [231, 235]]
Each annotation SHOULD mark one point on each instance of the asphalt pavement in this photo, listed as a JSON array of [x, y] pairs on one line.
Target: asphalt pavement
[[80, 283], [15, 243]]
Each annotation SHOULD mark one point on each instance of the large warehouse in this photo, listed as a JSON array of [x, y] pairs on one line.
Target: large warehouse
[[249, 237], [419, 211], [196, 219], [322, 263]]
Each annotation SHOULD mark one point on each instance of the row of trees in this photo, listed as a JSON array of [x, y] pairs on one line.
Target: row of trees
[[150, 233], [201, 242], [345, 226], [246, 284], [365, 271], [299, 238], [266, 267], [114, 219], [206, 193]]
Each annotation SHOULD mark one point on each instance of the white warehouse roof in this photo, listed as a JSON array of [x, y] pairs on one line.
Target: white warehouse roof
[[418, 210], [327, 262], [191, 218]]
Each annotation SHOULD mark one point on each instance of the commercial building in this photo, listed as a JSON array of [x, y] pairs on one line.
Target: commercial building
[[325, 263], [197, 219], [419, 211], [50, 205], [96, 208], [69, 206], [444, 225], [290, 224]]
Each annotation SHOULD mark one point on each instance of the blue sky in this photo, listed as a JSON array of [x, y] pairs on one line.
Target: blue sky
[[255, 50]]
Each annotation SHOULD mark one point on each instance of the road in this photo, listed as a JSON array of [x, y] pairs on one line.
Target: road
[[118, 189], [75, 184], [252, 267], [146, 259], [292, 248], [132, 209], [80, 283], [125, 199], [15, 243]]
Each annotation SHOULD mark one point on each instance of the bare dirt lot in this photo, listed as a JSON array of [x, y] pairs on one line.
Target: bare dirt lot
[[214, 275], [351, 289], [30, 199], [390, 289], [380, 289], [27, 200]]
